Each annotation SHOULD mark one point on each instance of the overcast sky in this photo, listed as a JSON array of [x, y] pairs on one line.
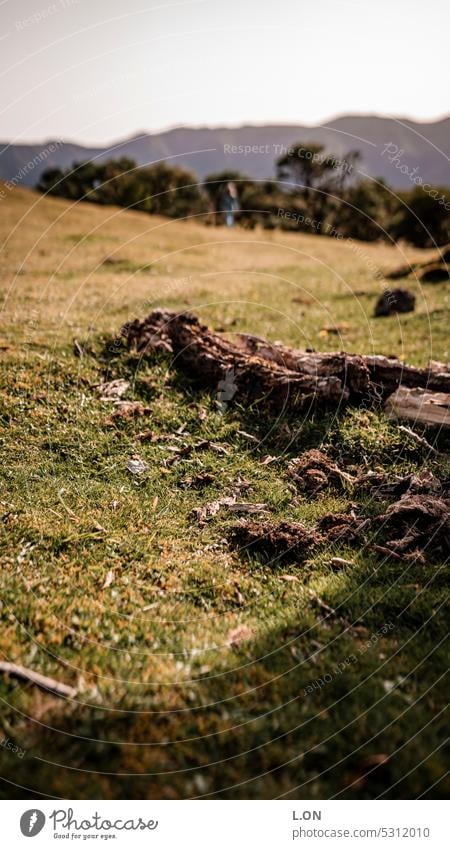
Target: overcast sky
[[98, 70]]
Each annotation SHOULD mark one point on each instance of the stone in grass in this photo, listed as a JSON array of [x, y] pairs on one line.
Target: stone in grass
[[436, 273], [136, 466], [393, 301]]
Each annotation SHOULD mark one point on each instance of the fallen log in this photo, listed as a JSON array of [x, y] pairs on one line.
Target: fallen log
[[419, 405], [214, 362], [388, 373], [255, 370], [363, 375], [441, 258], [349, 368]]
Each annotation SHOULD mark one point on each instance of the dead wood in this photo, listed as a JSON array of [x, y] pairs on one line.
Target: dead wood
[[214, 362], [419, 405], [42, 681], [255, 370], [439, 260]]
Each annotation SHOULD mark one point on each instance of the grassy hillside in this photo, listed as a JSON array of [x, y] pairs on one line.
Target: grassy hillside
[[194, 665]]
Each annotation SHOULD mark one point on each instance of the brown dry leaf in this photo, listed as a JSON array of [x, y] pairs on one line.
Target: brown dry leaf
[[210, 509], [113, 389], [146, 436], [198, 481], [108, 579], [337, 563], [155, 502], [127, 410], [291, 578], [269, 458], [239, 635]]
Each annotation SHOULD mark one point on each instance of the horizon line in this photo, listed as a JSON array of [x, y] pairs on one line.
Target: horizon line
[[240, 126]]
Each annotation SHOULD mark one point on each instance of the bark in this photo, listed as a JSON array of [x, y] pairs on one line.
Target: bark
[[254, 370], [214, 362], [419, 405]]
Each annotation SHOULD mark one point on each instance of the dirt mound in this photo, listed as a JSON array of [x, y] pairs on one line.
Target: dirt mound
[[276, 540], [294, 540], [345, 528], [413, 526], [313, 472], [416, 522], [383, 486], [393, 301]]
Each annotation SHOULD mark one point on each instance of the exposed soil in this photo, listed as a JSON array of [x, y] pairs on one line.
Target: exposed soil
[[276, 540], [416, 522], [313, 472]]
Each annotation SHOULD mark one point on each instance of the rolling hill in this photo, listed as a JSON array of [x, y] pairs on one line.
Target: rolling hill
[[204, 150]]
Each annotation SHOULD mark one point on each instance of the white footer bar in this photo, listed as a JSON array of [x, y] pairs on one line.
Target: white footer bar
[[223, 824]]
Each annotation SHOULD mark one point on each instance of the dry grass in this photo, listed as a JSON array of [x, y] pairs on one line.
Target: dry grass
[[171, 704]]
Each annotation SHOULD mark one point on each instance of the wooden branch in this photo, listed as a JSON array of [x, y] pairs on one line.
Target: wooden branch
[[419, 405], [373, 374], [42, 681]]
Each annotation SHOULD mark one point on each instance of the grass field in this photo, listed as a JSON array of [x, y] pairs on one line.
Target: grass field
[[200, 672]]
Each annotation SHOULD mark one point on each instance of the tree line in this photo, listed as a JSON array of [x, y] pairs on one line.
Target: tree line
[[314, 191]]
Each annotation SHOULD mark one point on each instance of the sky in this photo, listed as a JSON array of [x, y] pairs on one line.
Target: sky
[[98, 70]]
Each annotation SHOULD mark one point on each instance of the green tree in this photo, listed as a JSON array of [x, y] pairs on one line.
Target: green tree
[[422, 219]]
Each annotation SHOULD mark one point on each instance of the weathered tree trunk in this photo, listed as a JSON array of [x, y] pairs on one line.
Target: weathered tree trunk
[[255, 370], [373, 374]]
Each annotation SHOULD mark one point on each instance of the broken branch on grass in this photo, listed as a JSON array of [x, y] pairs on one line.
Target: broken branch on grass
[[42, 681]]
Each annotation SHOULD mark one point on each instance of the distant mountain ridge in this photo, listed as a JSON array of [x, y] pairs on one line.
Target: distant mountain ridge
[[424, 147]]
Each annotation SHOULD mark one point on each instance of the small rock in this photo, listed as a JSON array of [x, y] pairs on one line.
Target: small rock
[[436, 273], [393, 301]]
